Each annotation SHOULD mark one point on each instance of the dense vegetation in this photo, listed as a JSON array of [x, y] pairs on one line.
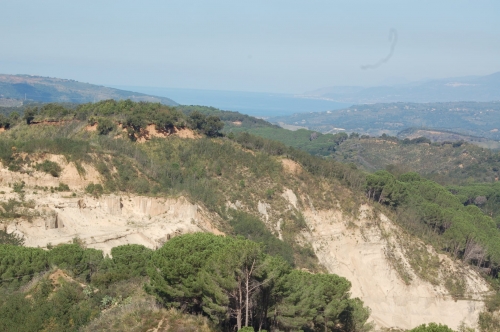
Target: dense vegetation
[[435, 214], [235, 283], [188, 167], [485, 196], [231, 118], [36, 295], [447, 162], [229, 280]]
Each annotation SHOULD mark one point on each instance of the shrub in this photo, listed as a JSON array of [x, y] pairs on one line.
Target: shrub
[[95, 190], [49, 167], [141, 186], [62, 187], [18, 187]]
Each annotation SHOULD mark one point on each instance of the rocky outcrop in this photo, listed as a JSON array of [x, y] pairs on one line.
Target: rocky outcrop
[[262, 208], [111, 205], [53, 221], [290, 196]]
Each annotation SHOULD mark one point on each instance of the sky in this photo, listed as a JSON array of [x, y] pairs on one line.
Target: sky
[[265, 46]]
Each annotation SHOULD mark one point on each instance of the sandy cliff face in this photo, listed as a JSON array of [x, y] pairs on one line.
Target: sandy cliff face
[[358, 249], [110, 221]]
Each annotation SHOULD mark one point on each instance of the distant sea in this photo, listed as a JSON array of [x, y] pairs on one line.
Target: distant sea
[[258, 104]]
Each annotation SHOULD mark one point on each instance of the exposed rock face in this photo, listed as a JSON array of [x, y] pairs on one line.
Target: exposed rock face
[[53, 221], [111, 205], [112, 221], [176, 208], [262, 207], [290, 197], [357, 251]]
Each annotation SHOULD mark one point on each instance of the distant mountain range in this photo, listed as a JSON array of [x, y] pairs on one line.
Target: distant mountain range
[[473, 88], [15, 89]]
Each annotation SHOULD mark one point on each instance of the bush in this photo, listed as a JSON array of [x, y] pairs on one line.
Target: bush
[[18, 187], [95, 190], [141, 186], [49, 167], [62, 187]]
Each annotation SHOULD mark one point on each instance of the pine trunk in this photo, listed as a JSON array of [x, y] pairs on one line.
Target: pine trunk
[[246, 298], [238, 305]]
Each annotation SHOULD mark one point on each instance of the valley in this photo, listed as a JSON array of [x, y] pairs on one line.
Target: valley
[[154, 173]]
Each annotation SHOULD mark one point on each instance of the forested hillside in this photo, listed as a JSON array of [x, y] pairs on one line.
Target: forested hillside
[[261, 193]]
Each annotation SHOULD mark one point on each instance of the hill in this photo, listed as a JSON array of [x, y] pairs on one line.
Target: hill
[[449, 162], [444, 156], [475, 88], [18, 89], [85, 181], [466, 118], [444, 136]]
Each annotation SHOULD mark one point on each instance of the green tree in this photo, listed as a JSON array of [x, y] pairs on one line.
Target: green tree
[[330, 299], [136, 122], [293, 309], [14, 117], [231, 280], [354, 318], [4, 121], [10, 238], [29, 114], [175, 267], [212, 126], [105, 126], [432, 327], [197, 119], [128, 261], [319, 301]]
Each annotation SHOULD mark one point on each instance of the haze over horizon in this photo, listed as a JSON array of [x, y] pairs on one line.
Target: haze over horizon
[[281, 47]]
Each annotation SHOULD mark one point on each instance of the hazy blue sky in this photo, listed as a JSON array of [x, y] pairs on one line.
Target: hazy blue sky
[[273, 45]]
